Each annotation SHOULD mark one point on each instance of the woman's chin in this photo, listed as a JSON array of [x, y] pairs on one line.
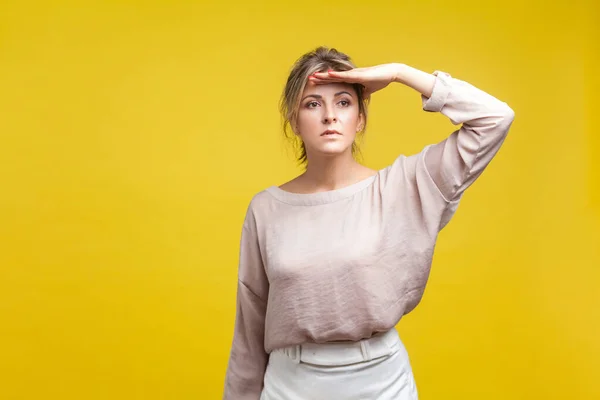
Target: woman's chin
[[333, 152], [333, 149]]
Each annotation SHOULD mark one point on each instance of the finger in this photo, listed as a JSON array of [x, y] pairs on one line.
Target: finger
[[336, 76], [346, 76], [317, 81], [327, 80], [323, 75], [319, 77]]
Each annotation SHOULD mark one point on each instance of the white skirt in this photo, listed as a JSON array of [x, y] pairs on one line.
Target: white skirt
[[377, 368]]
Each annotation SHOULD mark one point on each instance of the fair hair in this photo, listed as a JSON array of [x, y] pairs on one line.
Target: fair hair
[[319, 60]]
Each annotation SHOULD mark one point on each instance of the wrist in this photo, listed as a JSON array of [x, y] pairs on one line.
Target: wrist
[[399, 72]]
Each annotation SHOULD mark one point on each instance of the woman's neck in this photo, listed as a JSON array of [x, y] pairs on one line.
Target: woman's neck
[[331, 173]]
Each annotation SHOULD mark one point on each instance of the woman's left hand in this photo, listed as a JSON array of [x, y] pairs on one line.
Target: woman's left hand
[[371, 78]]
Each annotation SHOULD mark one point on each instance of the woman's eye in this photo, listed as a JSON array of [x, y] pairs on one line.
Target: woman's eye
[[312, 104], [345, 103]]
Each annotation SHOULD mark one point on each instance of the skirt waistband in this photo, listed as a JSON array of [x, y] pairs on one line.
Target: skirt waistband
[[344, 353]]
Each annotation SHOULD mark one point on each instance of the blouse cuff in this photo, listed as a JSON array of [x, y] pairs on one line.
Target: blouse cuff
[[441, 90]]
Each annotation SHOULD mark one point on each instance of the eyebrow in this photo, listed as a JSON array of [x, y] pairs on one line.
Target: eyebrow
[[318, 96]]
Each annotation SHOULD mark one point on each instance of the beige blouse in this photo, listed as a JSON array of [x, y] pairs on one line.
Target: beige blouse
[[344, 264]]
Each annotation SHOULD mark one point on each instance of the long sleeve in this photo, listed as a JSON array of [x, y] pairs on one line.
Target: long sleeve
[[456, 162], [248, 359], [434, 180]]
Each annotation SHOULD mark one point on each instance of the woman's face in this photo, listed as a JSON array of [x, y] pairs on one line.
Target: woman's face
[[328, 118]]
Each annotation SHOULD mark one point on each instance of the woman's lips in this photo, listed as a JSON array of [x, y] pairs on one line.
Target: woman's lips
[[330, 132]]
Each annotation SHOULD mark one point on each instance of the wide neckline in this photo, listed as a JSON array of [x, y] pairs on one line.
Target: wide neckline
[[317, 198]]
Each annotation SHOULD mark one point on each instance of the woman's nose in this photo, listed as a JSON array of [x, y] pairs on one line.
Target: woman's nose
[[329, 118]]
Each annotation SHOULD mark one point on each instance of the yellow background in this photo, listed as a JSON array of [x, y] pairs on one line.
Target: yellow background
[[133, 135]]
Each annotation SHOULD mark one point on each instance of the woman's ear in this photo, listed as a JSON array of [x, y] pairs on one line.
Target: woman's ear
[[294, 125], [361, 122]]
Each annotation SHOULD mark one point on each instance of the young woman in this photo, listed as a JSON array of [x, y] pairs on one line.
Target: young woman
[[332, 260]]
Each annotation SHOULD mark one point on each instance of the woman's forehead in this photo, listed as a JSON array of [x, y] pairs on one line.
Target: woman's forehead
[[328, 90]]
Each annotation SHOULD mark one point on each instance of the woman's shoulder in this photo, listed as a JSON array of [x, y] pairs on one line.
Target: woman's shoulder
[[296, 185]]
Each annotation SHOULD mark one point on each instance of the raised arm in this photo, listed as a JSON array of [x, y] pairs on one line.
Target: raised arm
[[454, 163], [457, 161]]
